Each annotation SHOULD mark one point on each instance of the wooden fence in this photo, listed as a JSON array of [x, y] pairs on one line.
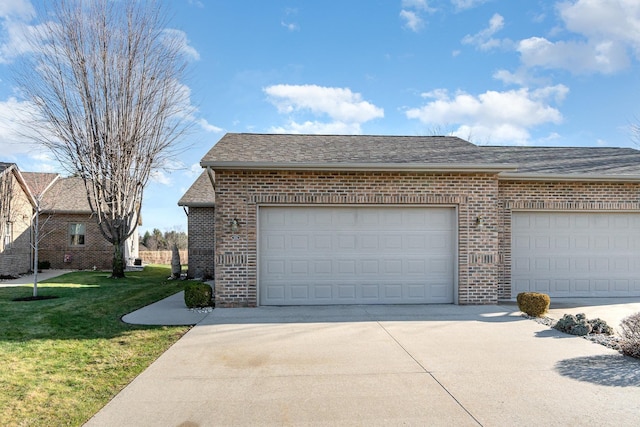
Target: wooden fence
[[161, 257]]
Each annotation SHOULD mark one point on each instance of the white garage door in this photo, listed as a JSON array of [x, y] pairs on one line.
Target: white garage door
[[356, 255], [576, 254]]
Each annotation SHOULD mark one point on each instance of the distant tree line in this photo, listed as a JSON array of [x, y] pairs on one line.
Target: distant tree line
[[157, 241]]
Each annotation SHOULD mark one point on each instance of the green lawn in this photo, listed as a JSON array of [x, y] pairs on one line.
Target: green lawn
[[63, 359]]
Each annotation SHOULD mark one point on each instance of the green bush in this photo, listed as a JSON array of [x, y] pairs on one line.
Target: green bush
[[198, 295], [630, 332], [533, 303], [580, 325]]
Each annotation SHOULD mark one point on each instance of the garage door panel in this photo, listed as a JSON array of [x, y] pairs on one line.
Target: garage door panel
[[340, 255], [600, 260]]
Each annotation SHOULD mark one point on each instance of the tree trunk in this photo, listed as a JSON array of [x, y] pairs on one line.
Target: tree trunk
[[118, 261], [36, 238]]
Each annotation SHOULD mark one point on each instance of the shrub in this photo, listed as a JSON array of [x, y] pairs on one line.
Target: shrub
[[580, 325], [533, 303], [44, 265], [574, 325], [630, 332], [599, 326], [198, 295]]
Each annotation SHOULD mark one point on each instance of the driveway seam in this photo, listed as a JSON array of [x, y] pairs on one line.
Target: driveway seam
[[430, 373]]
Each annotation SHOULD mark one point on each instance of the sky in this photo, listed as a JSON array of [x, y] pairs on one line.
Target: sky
[[494, 72]]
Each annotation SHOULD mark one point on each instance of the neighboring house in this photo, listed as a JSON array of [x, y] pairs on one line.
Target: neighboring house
[[317, 219], [16, 209], [199, 203], [70, 235]]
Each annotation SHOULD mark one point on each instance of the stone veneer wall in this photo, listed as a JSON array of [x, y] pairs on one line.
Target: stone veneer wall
[[555, 196], [239, 193]]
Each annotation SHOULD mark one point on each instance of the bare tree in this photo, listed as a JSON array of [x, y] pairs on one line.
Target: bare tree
[[39, 184], [105, 78]]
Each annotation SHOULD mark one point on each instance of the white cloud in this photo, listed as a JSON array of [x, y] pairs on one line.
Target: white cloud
[[194, 170], [577, 57], [14, 18], [17, 8], [484, 39], [319, 128], [603, 34], [291, 26], [287, 22], [418, 5], [498, 117], [180, 38], [345, 109], [466, 4], [518, 78], [13, 137], [412, 13], [411, 20], [601, 21], [160, 177], [208, 127]]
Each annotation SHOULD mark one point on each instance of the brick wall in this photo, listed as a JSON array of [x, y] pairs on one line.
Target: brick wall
[[201, 242], [555, 196], [16, 258], [239, 193], [96, 252]]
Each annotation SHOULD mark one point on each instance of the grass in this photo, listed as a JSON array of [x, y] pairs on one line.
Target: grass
[[63, 359]]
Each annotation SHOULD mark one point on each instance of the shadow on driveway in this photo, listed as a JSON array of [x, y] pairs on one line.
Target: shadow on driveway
[[613, 370]]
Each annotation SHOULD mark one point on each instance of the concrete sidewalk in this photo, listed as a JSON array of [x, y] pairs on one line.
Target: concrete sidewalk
[[28, 279], [169, 311], [379, 365]]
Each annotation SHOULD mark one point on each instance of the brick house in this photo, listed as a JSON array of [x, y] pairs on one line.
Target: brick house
[[71, 238], [16, 209], [330, 219], [198, 203]]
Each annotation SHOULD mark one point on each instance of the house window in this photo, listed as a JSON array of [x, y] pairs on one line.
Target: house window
[[76, 234], [8, 235]]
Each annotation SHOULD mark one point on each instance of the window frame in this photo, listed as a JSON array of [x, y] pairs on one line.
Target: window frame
[[8, 235], [75, 238]]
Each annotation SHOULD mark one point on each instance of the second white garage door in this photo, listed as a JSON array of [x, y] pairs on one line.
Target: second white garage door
[[356, 255], [576, 254]]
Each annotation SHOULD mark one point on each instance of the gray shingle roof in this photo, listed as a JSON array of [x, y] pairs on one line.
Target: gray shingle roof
[[67, 195], [342, 151], [200, 194], [241, 150], [39, 181], [604, 161]]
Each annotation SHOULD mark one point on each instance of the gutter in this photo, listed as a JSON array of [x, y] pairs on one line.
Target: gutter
[[198, 204], [511, 176], [403, 167]]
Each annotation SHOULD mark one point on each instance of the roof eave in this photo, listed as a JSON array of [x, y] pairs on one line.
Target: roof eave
[[402, 167], [197, 204], [515, 176], [66, 212]]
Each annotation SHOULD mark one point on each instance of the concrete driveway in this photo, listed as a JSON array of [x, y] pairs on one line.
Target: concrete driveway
[[379, 365]]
